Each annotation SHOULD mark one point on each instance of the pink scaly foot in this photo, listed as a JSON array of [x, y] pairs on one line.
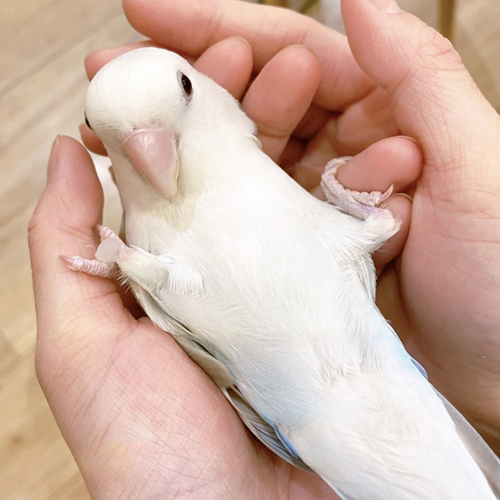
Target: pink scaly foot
[[358, 204], [104, 265], [90, 266], [106, 232]]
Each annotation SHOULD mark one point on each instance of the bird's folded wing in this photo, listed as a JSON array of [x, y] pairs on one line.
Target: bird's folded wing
[[486, 459], [222, 377], [263, 430]]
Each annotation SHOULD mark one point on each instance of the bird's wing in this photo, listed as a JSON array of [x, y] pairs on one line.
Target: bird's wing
[[261, 429], [486, 459], [222, 377]]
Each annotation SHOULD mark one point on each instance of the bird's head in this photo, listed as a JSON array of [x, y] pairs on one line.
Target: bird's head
[[146, 104]]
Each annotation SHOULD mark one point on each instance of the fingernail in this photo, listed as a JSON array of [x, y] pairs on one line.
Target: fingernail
[[389, 6], [409, 138], [241, 39], [396, 195], [53, 159], [403, 195]]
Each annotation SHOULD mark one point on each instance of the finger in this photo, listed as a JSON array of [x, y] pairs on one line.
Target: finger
[[280, 96], [364, 123], [63, 223], [96, 59], [348, 133], [400, 206], [193, 26], [395, 161], [434, 97], [229, 63], [91, 141]]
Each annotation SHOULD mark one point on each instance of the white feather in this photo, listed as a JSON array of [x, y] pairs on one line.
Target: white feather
[[272, 292]]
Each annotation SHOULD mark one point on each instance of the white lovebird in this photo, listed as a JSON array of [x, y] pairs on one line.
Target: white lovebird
[[271, 291]]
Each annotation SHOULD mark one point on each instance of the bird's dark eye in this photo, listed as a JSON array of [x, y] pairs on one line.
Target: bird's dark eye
[[186, 84], [87, 122]]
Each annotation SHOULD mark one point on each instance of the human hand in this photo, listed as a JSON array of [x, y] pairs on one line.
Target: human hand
[[117, 386], [302, 121], [141, 419], [442, 293]]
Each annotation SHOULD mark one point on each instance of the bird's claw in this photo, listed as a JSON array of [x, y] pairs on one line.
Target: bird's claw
[[106, 232], [93, 267], [104, 265], [356, 203]]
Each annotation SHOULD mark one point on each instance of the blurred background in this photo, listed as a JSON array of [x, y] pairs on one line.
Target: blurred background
[[42, 86]]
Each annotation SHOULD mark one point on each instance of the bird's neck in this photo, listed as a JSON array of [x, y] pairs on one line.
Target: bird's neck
[[200, 175]]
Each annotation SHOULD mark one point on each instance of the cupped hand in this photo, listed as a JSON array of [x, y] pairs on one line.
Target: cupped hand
[[141, 419], [298, 126], [442, 294]]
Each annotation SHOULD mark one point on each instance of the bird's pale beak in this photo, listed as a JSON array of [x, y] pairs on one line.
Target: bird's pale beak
[[153, 153]]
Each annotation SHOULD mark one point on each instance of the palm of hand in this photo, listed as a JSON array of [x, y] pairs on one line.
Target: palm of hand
[[144, 420], [134, 402], [441, 293], [442, 296]]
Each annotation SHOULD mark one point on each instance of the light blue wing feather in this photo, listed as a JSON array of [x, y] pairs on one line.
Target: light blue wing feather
[[220, 374], [264, 431], [341, 495], [487, 461], [421, 369]]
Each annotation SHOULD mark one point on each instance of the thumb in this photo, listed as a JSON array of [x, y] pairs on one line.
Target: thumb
[[434, 98], [67, 302]]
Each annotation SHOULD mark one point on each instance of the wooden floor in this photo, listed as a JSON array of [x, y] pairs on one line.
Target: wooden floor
[[42, 84]]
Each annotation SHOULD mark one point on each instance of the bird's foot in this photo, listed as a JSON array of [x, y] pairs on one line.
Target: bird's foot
[[111, 249], [358, 204]]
